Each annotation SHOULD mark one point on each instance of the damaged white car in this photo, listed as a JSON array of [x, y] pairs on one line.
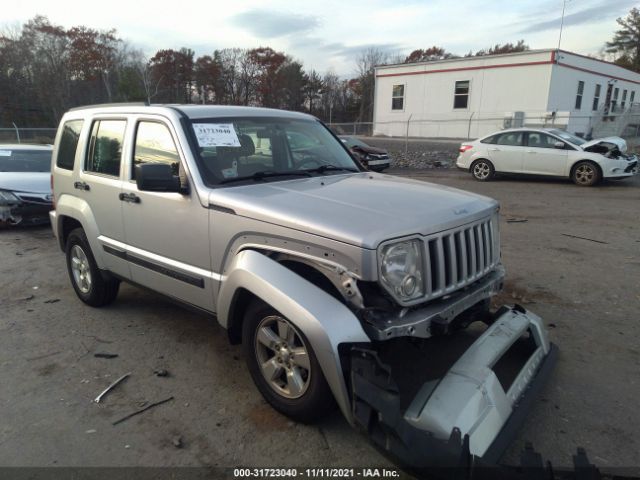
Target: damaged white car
[[25, 184], [329, 275], [547, 151]]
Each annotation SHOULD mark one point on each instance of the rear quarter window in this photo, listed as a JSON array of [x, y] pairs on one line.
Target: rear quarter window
[[69, 144], [491, 139]]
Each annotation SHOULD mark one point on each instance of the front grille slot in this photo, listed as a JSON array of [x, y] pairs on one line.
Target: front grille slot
[[458, 257]]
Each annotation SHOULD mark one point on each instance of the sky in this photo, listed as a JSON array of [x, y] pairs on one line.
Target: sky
[[329, 34]]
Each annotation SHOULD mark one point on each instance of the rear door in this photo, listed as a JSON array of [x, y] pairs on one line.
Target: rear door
[[167, 233], [99, 183], [541, 157], [506, 153]]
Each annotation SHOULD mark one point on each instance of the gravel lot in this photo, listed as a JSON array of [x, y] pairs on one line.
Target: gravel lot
[[587, 292]]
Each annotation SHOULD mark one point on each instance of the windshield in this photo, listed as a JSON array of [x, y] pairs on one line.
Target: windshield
[[353, 142], [568, 137], [24, 160], [257, 149]]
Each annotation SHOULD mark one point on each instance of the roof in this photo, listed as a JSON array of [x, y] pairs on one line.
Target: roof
[[479, 58], [24, 146], [195, 111]]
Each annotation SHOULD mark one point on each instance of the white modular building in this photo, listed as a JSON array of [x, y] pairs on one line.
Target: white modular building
[[473, 96]]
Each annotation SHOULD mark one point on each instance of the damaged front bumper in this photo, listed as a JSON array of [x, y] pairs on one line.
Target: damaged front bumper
[[474, 409], [24, 213]]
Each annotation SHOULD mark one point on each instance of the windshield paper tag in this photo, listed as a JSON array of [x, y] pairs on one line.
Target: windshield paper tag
[[216, 135], [5, 153]]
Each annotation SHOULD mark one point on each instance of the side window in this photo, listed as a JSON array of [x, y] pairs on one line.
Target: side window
[[105, 152], [513, 139], [461, 94], [397, 97], [69, 144], [154, 144], [541, 140]]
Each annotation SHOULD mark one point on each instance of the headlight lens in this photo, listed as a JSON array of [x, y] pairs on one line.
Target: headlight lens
[[8, 198], [401, 269]]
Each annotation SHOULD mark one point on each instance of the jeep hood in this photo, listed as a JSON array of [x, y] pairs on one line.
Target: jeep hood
[[609, 143], [360, 209]]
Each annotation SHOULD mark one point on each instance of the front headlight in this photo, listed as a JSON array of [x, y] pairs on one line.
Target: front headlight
[[8, 198], [401, 269]]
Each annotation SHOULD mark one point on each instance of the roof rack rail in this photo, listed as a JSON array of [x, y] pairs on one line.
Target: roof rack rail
[[121, 104]]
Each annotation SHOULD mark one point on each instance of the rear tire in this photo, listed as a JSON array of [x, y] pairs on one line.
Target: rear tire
[[586, 174], [482, 170], [283, 364], [86, 278]]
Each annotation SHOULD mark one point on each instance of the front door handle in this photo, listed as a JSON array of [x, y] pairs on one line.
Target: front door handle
[[531, 151], [81, 186], [129, 197]]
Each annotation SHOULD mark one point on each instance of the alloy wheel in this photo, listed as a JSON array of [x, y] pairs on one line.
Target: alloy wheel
[[80, 269], [481, 170], [282, 356]]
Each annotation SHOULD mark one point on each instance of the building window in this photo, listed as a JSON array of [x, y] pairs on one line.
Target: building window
[[596, 98], [632, 98], [461, 94], [397, 97], [624, 99], [579, 95], [614, 102]]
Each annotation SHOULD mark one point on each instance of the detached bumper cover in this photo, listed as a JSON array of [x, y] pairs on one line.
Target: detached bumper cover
[[468, 402]]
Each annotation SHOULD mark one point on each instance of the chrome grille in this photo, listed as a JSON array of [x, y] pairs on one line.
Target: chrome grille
[[460, 256]]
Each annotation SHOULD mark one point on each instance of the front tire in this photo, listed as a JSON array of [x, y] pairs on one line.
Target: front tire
[[85, 276], [482, 170], [283, 364], [586, 174]]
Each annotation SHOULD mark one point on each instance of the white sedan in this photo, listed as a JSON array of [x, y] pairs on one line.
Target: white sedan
[[547, 151]]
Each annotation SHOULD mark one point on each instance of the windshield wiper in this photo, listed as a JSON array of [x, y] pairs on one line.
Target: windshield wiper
[[267, 174], [333, 168]]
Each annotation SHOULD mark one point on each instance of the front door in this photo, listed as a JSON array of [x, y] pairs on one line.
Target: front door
[[541, 157], [167, 233]]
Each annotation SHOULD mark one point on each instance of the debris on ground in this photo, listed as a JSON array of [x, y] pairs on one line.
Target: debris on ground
[[142, 410], [161, 372], [105, 355], [52, 300], [25, 298], [177, 442], [110, 387], [517, 220], [584, 238], [93, 430]]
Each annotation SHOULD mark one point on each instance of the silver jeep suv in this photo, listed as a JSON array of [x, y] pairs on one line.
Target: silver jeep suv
[[324, 272]]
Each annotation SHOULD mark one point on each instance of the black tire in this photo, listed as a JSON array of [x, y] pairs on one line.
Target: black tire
[[98, 291], [586, 174], [316, 400], [482, 170]]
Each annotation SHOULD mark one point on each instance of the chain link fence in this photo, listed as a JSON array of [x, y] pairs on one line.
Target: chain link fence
[[625, 124], [41, 136]]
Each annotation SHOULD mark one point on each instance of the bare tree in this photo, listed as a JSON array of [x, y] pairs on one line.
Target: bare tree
[[366, 62]]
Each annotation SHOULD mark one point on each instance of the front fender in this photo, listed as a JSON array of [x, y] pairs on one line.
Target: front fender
[[324, 320]]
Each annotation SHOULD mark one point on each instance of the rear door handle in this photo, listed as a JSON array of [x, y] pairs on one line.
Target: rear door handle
[[129, 197], [81, 186], [531, 151], [494, 149]]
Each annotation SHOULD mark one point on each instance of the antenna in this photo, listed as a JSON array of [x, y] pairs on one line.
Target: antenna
[[564, 6]]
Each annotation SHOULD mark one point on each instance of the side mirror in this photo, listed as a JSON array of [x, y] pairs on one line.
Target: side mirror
[[559, 145], [156, 177]]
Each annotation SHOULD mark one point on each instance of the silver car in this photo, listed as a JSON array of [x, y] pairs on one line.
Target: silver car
[[323, 271], [25, 188], [547, 151]]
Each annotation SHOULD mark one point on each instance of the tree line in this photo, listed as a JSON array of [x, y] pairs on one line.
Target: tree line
[[45, 69]]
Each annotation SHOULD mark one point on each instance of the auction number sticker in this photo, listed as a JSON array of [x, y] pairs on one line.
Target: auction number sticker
[[216, 135]]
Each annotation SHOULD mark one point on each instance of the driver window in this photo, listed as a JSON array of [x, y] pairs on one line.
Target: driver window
[[154, 144], [541, 140]]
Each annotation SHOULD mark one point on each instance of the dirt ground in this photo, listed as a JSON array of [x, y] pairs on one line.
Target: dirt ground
[[587, 290]]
